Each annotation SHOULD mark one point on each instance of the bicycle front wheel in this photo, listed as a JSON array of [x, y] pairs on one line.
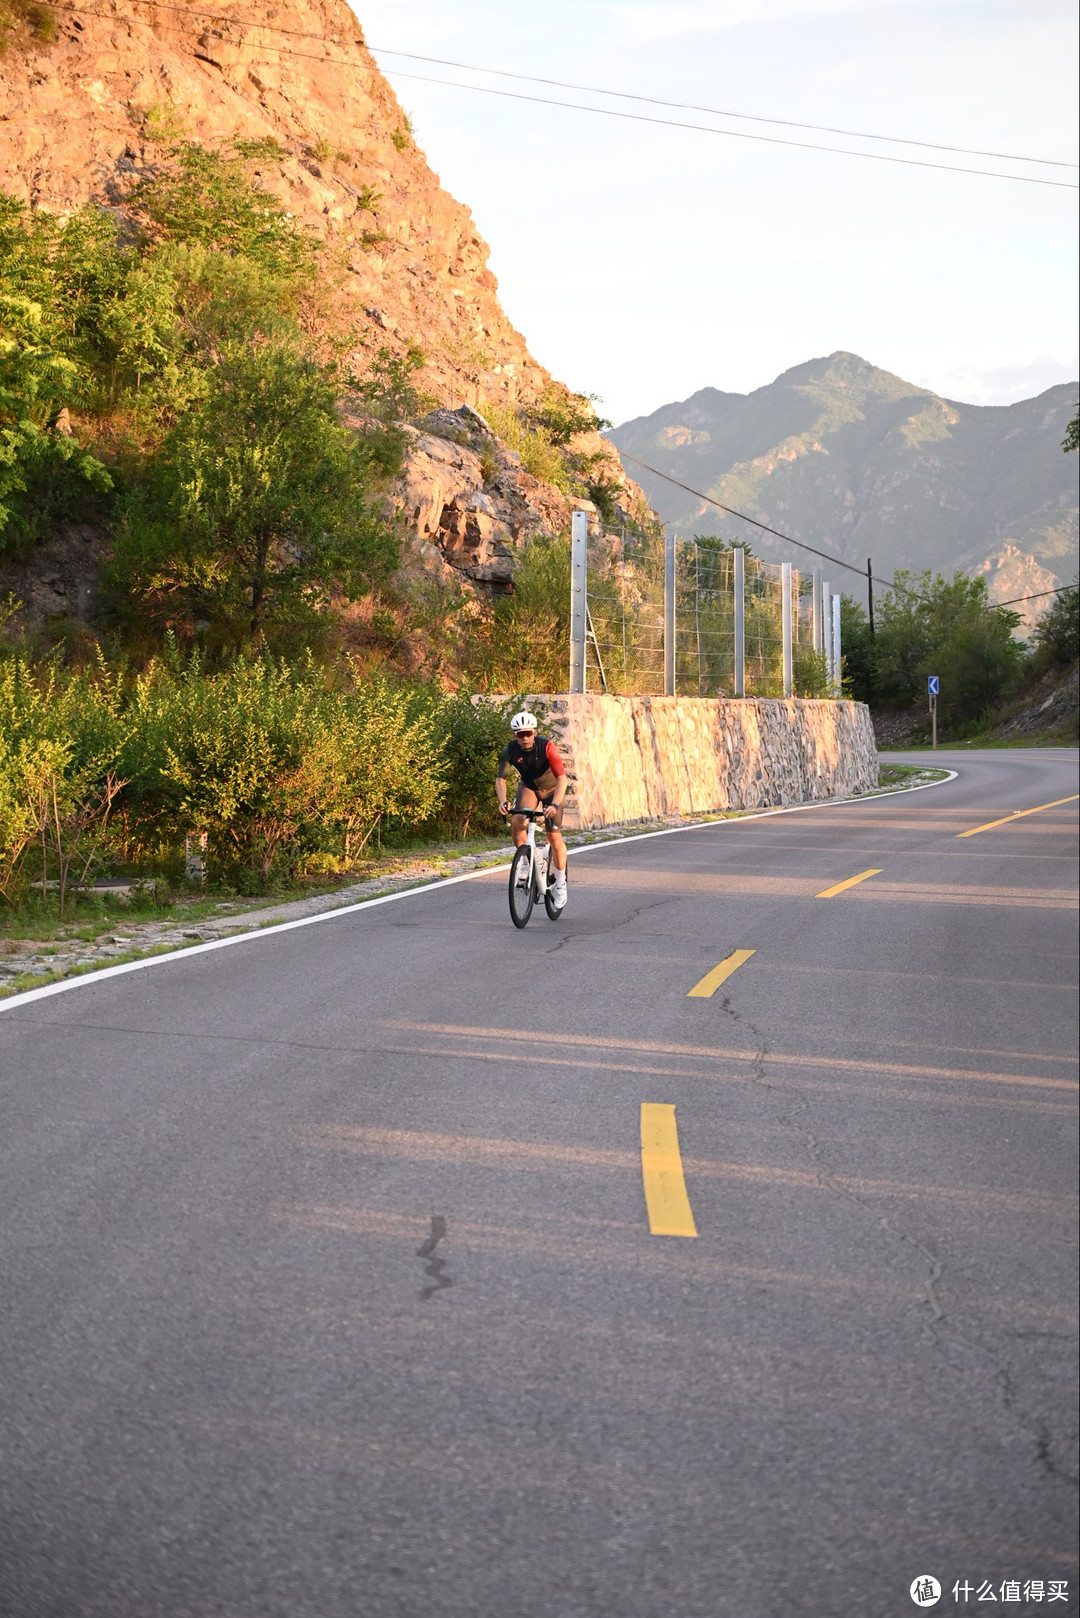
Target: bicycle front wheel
[[522, 897]]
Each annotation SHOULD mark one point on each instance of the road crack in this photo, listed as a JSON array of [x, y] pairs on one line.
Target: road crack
[[434, 1266], [959, 1353]]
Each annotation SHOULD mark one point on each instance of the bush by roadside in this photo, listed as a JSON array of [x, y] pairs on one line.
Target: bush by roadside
[[284, 770]]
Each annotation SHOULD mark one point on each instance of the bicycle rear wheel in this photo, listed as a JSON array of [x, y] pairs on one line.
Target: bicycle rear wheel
[[522, 897]]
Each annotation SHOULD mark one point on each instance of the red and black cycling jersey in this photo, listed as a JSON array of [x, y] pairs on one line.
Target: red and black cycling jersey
[[539, 765]]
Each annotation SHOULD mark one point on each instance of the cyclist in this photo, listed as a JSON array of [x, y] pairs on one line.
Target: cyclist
[[543, 781]]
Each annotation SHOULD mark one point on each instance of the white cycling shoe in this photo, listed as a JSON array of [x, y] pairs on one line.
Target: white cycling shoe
[[558, 894]]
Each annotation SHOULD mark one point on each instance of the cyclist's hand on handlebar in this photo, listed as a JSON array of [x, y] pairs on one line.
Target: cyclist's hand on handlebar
[[504, 808], [550, 813]]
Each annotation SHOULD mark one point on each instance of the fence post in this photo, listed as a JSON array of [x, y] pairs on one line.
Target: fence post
[[669, 614], [815, 611], [836, 645], [739, 558], [825, 608], [785, 608], [579, 536]]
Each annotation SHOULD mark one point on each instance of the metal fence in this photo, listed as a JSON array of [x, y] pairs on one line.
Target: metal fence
[[652, 614]]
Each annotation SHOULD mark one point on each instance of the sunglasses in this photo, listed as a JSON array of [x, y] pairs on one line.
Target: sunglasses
[[520, 734]]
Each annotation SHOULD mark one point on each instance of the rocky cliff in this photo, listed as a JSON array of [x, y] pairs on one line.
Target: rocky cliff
[[83, 108]]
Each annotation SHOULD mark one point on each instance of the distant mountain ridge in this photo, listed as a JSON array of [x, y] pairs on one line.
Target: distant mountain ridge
[[860, 463]]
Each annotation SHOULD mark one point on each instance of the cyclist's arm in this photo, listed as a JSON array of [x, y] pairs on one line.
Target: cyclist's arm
[[558, 769], [500, 779]]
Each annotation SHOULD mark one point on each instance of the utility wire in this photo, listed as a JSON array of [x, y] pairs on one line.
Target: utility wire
[[724, 112], [592, 89], [835, 561], [214, 16], [737, 134], [827, 556], [1012, 601], [600, 112]]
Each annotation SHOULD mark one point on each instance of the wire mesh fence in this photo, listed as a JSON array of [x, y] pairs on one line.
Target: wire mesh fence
[[625, 629]]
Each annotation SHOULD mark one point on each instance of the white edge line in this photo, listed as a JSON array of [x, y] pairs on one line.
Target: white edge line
[[182, 954]]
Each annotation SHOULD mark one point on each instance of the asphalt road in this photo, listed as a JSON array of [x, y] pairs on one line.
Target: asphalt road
[[329, 1288]]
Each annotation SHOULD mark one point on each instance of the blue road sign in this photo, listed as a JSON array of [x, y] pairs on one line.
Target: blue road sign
[[932, 685]]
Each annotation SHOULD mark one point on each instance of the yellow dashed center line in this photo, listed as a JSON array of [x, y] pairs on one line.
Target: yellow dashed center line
[[838, 887], [662, 1172], [719, 974], [1019, 815]]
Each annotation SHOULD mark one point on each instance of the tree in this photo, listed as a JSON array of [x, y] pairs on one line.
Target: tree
[[41, 467], [262, 506], [930, 625], [856, 649], [1057, 633], [1071, 441]]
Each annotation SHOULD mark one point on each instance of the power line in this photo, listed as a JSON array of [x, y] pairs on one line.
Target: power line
[[1012, 601], [737, 134], [218, 16], [723, 112], [834, 561], [213, 16], [600, 112], [593, 89], [890, 584]]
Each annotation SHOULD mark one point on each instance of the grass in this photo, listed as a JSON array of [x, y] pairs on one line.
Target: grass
[[894, 777], [88, 916], [38, 980]]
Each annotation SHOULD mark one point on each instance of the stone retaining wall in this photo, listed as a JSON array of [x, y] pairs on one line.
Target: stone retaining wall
[[637, 758]]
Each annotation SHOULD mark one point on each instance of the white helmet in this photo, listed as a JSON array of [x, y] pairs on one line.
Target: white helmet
[[523, 720]]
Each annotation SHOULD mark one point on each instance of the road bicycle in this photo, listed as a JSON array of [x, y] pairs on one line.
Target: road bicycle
[[532, 873]]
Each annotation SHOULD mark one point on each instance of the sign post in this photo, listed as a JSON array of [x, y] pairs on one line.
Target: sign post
[[933, 685]]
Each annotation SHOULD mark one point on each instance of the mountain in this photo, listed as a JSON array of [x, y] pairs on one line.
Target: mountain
[[858, 463]]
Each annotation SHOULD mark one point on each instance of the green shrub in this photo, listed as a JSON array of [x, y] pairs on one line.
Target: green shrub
[[59, 775], [474, 734], [199, 195], [260, 506], [30, 16], [521, 641], [562, 415], [275, 768], [539, 455]]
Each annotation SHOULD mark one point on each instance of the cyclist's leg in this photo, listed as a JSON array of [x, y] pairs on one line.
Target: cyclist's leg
[[555, 836], [558, 849], [526, 799]]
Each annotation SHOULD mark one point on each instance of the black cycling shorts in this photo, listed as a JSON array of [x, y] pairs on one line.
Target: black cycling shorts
[[544, 802]]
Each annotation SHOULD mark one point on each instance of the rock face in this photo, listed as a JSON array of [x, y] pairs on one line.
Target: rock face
[[470, 502], [74, 127], [637, 758], [402, 262]]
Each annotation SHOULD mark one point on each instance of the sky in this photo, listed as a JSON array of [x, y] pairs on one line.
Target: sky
[[643, 262]]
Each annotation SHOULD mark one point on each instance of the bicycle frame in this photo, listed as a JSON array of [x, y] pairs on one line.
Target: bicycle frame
[[532, 816]]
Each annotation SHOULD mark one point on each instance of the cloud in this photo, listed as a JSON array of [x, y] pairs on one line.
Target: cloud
[[1005, 384]]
